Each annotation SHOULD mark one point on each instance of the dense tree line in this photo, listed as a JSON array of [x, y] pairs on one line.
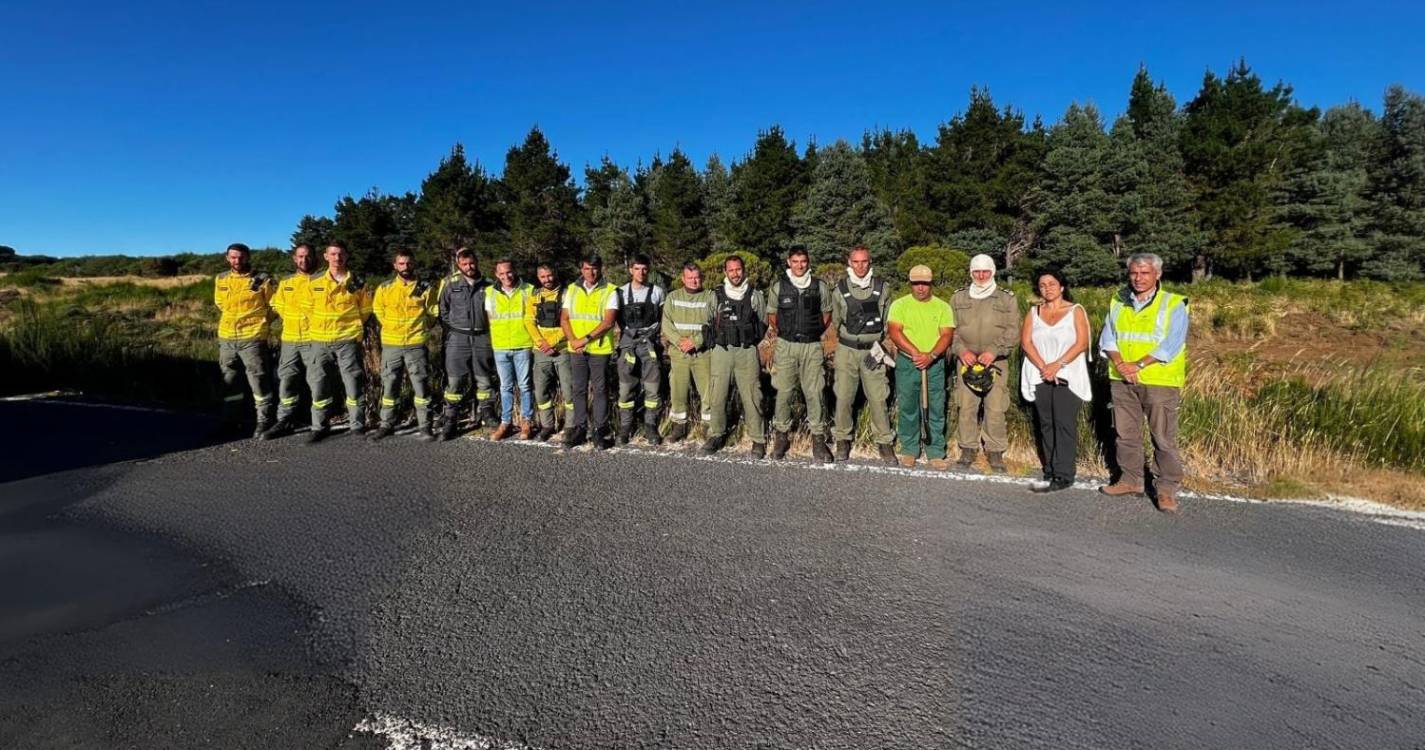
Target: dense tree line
[[1239, 182]]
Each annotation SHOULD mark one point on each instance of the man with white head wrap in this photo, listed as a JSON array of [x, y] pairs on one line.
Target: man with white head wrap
[[987, 327]]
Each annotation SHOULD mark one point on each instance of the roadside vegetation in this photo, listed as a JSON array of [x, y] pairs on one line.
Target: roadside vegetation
[[1296, 387]]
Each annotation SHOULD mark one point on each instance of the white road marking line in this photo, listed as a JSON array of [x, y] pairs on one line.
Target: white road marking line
[[404, 734], [1377, 512]]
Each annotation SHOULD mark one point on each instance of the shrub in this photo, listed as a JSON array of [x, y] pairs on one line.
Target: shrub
[[951, 267]]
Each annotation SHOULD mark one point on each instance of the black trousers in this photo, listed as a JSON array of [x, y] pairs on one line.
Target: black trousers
[[591, 383], [1057, 409]]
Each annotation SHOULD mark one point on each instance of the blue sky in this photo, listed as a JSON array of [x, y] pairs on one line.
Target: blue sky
[[163, 127]]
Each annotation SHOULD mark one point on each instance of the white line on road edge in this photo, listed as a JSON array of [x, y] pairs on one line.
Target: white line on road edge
[[1377, 512], [404, 734]]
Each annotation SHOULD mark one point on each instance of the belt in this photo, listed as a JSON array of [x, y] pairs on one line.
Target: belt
[[862, 345], [466, 331]]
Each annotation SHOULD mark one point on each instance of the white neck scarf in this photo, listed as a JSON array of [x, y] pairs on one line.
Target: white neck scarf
[[801, 283], [859, 282], [981, 292], [735, 292]]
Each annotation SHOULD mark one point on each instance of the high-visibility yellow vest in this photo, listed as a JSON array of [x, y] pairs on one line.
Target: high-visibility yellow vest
[[507, 330], [404, 318], [1139, 332], [586, 312], [336, 311], [243, 310], [287, 302]]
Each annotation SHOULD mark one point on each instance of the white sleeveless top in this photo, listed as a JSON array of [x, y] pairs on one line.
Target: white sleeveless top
[[1052, 342]]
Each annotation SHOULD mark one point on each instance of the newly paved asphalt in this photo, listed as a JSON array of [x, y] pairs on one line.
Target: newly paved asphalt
[[250, 594]]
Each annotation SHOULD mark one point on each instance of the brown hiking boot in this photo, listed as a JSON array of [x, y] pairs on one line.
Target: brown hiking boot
[[996, 462], [526, 429], [940, 464], [1167, 502], [967, 457], [1119, 489], [503, 431], [907, 461]]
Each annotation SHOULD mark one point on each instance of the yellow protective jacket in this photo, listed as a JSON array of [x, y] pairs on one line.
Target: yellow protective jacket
[[287, 303], [403, 310], [541, 317], [336, 310], [242, 303]]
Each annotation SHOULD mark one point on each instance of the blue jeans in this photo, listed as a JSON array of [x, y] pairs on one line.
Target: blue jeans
[[513, 366]]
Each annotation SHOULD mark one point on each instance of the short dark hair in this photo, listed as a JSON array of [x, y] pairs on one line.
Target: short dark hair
[[338, 244], [546, 266], [592, 260], [640, 259], [1058, 276], [731, 258], [798, 250], [504, 260], [691, 266], [404, 253], [238, 246], [299, 246], [464, 252]]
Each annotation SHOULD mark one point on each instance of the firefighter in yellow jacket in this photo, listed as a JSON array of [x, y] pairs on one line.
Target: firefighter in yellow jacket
[[242, 298], [402, 306], [337, 305], [296, 357]]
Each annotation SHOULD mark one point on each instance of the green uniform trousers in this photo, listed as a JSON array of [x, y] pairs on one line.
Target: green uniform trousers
[[292, 367], [396, 363], [799, 366], [552, 371], [239, 358], [736, 365], [345, 356], [852, 372], [908, 407], [970, 428], [684, 370]]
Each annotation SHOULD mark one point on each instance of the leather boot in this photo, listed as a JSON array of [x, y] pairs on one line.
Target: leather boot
[[679, 431], [820, 451], [574, 437], [843, 450], [888, 454], [714, 444], [758, 452], [526, 429], [447, 432], [996, 462], [282, 428], [650, 433], [625, 432], [503, 431], [425, 434], [381, 433], [780, 443], [1119, 489], [967, 458]]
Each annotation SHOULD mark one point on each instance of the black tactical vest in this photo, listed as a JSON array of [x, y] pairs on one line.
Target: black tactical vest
[[736, 322], [463, 305], [546, 312], [863, 316], [799, 312], [637, 318]]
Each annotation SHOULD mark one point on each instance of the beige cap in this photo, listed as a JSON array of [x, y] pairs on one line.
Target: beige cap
[[921, 273]]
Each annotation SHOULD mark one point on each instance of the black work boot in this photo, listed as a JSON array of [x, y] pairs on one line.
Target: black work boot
[[888, 454], [650, 433], [487, 413], [448, 430], [262, 427], [282, 428], [759, 451], [602, 441], [820, 451], [967, 457], [381, 433], [425, 433], [574, 437], [625, 432], [679, 431], [843, 450], [780, 443], [996, 462], [714, 444], [546, 432], [318, 433]]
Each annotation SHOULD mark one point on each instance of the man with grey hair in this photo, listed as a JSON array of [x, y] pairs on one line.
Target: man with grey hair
[[1145, 340], [987, 328]]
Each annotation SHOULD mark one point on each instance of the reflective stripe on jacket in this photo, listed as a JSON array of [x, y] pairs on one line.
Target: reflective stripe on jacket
[[243, 310], [287, 303], [404, 318], [337, 310], [1140, 332], [507, 311], [586, 312]]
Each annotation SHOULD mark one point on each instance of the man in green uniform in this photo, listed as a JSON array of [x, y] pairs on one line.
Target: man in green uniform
[[987, 328], [922, 327], [737, 329], [858, 310], [799, 310], [686, 317]]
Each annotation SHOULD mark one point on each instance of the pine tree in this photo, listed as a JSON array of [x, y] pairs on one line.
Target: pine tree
[[619, 227], [983, 165], [717, 205], [893, 167], [1072, 208], [458, 207], [541, 205], [372, 226], [1397, 189], [675, 207], [1322, 203], [841, 211], [314, 232], [765, 191]]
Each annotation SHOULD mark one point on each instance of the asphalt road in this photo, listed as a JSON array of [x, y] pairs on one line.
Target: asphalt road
[[277, 595]]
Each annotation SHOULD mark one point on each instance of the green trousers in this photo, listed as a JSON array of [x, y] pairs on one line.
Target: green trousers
[[852, 373], [737, 365], [686, 370], [908, 407], [396, 363], [799, 367], [552, 371]]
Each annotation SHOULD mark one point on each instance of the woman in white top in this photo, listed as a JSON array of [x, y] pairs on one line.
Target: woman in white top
[[1055, 375]]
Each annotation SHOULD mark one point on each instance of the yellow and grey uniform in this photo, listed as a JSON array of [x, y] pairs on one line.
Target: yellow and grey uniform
[[336, 311], [738, 326], [640, 365], [403, 309], [297, 355], [859, 315], [798, 362], [983, 325], [468, 352], [688, 315], [242, 300], [541, 320]]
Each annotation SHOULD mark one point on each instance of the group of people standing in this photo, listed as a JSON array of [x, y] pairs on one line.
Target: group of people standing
[[553, 339]]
